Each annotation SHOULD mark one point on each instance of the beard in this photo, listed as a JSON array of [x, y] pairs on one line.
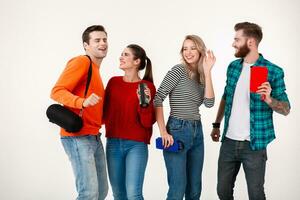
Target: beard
[[242, 51]]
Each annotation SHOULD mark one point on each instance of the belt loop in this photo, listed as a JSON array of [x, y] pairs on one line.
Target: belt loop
[[97, 137]]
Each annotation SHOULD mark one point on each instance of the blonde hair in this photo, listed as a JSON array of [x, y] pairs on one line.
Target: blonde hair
[[202, 52]]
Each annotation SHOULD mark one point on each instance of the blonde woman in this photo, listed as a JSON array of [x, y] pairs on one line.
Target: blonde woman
[[188, 85]]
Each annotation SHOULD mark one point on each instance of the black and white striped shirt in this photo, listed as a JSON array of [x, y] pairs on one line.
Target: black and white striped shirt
[[186, 95]]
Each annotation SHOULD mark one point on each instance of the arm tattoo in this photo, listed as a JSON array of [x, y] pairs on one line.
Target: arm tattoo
[[280, 107]]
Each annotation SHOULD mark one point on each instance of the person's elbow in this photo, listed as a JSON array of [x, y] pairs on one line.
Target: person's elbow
[[287, 112], [209, 105], [209, 102], [53, 94]]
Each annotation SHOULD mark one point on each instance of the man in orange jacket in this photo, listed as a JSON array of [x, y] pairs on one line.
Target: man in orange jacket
[[84, 148]]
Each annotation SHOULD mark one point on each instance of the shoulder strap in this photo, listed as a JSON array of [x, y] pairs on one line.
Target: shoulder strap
[[89, 77]]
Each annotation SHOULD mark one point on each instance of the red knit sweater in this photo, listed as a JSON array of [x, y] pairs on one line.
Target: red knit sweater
[[123, 117]]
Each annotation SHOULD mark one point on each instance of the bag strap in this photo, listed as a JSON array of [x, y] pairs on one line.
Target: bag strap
[[89, 77], [87, 83]]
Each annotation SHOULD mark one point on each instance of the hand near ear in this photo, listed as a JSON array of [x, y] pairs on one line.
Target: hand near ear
[[208, 61]]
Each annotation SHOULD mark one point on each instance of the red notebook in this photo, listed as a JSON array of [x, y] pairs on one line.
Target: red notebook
[[258, 75]]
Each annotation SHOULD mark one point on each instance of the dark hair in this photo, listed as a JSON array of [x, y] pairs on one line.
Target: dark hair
[[88, 30], [250, 30], [139, 53]]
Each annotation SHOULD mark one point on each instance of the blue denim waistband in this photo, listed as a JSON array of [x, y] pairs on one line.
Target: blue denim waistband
[[97, 137], [184, 121]]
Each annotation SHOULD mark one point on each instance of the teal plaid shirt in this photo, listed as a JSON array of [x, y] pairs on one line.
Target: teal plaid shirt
[[261, 115]]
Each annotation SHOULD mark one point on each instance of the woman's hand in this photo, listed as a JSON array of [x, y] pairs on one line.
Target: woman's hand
[[208, 61], [167, 139], [147, 93]]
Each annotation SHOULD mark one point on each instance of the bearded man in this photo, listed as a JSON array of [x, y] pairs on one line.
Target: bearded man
[[248, 127]]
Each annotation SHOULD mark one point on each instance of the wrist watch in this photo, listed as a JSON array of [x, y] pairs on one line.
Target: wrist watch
[[216, 125]]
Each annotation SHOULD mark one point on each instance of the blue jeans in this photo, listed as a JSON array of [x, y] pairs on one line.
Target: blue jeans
[[234, 153], [126, 162], [184, 168], [88, 162]]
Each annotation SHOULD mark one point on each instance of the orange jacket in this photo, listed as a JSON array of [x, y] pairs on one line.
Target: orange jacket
[[69, 91]]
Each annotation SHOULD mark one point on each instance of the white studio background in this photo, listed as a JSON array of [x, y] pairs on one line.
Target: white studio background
[[38, 37]]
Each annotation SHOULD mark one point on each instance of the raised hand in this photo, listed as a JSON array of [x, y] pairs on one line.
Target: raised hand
[[208, 61], [147, 93], [265, 91]]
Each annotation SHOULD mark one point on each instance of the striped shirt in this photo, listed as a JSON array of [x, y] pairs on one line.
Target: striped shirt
[[185, 94]]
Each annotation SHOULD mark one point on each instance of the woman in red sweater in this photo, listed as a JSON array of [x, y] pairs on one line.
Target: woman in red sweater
[[128, 125]]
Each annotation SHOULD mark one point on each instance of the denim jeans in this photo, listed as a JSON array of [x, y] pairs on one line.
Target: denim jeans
[[126, 162], [184, 168], [234, 153], [88, 162]]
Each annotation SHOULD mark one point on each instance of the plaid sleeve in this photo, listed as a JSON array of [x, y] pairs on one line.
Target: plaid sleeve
[[278, 87], [227, 81]]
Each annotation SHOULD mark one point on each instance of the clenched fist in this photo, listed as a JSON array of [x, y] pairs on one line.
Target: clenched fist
[[92, 100]]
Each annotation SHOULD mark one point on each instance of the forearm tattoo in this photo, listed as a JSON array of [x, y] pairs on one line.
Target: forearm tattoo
[[280, 107]]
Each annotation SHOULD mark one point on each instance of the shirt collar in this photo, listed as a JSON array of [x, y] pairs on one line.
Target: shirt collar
[[258, 61]]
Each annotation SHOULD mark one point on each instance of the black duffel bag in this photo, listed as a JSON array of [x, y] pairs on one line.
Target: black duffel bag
[[66, 118]]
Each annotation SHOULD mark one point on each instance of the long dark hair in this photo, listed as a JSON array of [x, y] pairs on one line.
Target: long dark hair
[[139, 53]]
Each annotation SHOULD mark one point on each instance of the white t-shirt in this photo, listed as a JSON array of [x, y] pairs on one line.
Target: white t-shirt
[[239, 121]]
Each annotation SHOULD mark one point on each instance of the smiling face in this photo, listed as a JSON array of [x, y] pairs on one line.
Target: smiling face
[[190, 53], [97, 46], [240, 44], [127, 60]]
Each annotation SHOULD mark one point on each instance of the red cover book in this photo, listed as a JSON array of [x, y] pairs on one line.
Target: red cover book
[[258, 75]]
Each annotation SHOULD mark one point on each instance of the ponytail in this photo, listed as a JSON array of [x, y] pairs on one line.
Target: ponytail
[[139, 53], [148, 73]]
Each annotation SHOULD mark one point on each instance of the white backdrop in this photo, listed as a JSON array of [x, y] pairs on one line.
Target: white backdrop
[[38, 37]]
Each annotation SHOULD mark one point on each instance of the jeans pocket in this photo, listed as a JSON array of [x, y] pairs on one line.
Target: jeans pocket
[[174, 125]]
